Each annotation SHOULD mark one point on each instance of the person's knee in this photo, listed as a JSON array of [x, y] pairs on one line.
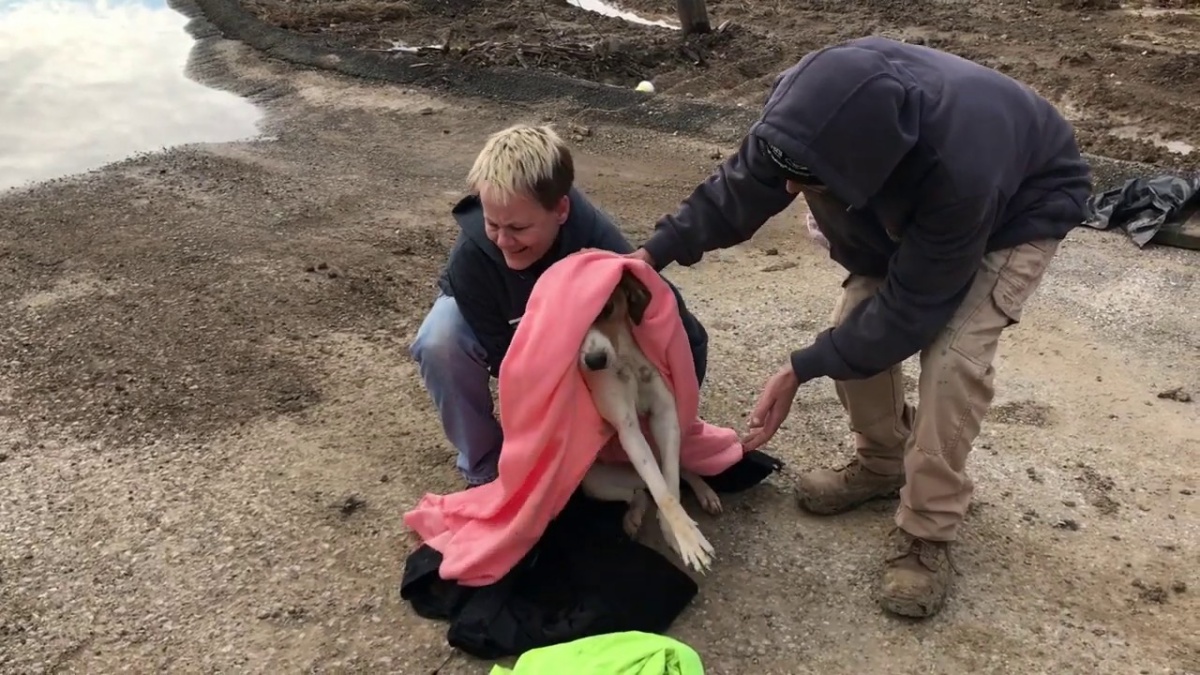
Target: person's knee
[[443, 340], [955, 393]]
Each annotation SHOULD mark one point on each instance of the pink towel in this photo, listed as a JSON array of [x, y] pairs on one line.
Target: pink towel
[[552, 431]]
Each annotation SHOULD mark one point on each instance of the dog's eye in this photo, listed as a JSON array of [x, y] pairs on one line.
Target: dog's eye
[[607, 310]]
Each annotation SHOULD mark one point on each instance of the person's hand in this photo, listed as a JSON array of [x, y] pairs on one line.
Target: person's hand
[[772, 408], [641, 254]]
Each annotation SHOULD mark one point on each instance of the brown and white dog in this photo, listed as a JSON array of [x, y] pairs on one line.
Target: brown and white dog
[[625, 385]]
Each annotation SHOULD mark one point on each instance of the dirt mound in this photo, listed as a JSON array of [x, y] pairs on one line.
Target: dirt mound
[[1123, 74], [543, 34]]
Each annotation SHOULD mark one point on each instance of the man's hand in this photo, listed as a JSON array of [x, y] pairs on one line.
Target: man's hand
[[642, 255], [772, 409], [639, 254]]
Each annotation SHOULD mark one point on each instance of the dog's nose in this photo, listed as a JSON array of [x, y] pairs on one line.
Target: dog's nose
[[595, 360]]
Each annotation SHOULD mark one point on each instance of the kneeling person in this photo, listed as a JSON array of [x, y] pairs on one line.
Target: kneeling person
[[522, 216]]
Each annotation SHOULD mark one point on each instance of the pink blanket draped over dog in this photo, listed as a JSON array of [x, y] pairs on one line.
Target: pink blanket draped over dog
[[552, 431]]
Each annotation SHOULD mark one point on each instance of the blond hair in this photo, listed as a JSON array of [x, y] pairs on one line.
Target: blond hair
[[524, 159]]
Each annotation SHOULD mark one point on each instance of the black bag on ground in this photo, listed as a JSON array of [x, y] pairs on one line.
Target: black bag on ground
[[1143, 206]]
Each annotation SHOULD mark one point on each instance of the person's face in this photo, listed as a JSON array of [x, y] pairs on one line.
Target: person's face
[[522, 228]]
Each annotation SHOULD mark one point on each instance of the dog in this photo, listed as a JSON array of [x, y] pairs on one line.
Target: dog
[[625, 385]]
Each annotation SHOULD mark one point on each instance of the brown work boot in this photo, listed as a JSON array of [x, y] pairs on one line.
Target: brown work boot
[[830, 491], [916, 577]]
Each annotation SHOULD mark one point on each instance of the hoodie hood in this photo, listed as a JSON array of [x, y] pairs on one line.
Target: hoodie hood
[[846, 113]]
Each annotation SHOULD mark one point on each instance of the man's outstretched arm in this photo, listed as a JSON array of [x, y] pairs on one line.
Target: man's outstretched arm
[[723, 211]]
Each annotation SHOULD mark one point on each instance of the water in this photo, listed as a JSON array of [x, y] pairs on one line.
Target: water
[[84, 83], [602, 7]]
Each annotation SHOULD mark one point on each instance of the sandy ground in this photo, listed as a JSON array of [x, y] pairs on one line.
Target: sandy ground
[[205, 358], [1126, 72]]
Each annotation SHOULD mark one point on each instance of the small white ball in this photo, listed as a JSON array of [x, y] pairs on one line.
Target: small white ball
[[645, 86]]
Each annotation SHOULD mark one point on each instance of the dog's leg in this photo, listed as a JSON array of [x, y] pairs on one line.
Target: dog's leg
[[709, 501], [636, 512], [610, 483], [664, 426], [615, 403], [681, 532]]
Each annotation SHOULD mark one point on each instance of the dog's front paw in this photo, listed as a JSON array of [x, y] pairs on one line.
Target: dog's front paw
[[684, 537]]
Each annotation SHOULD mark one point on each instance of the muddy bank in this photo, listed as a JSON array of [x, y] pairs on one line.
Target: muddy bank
[[507, 85], [589, 102], [1125, 75]]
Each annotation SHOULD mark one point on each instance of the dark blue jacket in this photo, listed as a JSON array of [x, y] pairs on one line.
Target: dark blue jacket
[[490, 294], [951, 158]]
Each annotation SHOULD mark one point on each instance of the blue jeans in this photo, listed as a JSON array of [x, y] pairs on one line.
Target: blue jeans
[[454, 370]]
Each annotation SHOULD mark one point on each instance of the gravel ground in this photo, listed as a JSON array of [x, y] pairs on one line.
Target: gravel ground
[[205, 359]]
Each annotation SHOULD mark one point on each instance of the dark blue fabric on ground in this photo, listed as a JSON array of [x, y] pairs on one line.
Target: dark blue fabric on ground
[[584, 577]]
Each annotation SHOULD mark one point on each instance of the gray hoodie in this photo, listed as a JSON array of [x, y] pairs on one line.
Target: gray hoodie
[[934, 160]]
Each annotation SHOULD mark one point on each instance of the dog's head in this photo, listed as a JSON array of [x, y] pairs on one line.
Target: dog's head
[[627, 304]]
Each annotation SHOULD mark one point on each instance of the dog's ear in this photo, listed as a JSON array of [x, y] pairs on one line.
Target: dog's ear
[[637, 296]]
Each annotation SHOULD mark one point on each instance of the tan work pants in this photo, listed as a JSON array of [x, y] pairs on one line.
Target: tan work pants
[[930, 443]]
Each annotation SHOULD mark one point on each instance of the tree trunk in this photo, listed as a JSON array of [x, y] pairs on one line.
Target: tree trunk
[[693, 16]]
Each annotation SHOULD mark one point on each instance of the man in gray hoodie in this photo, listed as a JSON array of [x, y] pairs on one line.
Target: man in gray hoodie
[[944, 189]]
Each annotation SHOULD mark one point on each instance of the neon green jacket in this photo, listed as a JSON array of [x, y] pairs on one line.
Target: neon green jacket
[[627, 653]]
